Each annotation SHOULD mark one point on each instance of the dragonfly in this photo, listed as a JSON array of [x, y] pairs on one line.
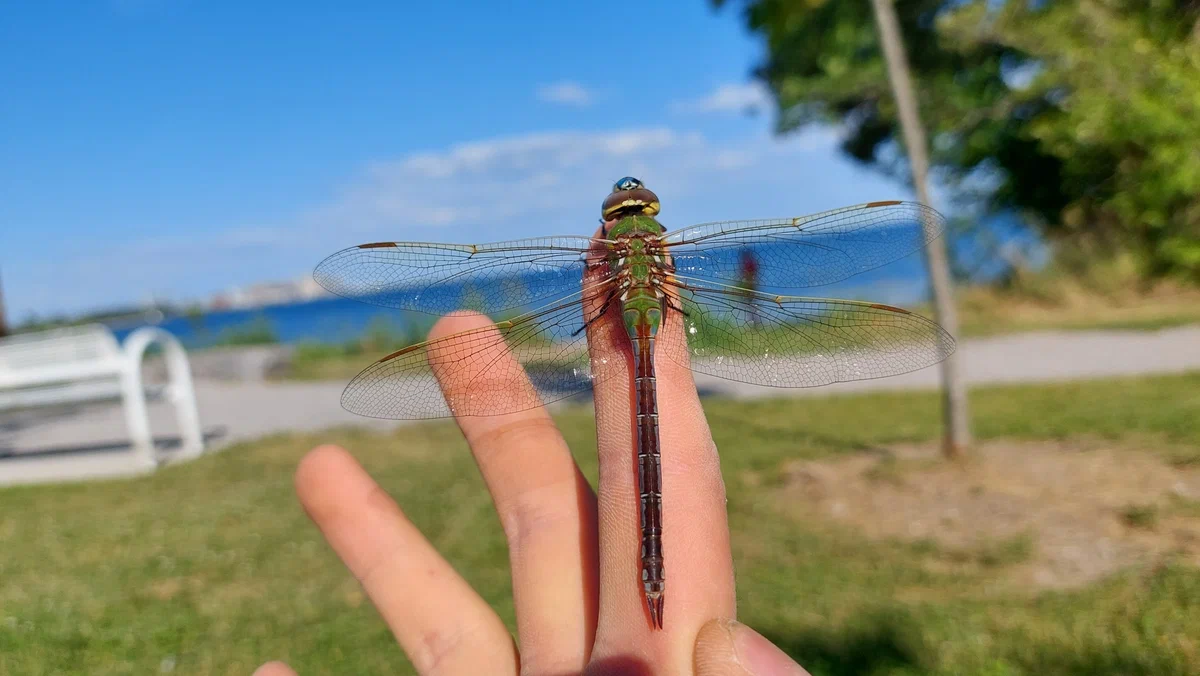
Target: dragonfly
[[682, 295]]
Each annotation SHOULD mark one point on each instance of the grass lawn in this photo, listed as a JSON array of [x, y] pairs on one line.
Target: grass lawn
[[315, 362], [211, 567]]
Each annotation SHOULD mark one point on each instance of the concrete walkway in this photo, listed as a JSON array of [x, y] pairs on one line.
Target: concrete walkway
[[87, 442]]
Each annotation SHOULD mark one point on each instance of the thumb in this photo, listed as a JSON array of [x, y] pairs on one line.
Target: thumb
[[726, 648], [274, 669]]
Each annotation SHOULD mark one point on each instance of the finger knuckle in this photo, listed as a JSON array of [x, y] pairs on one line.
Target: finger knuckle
[[532, 514], [520, 434], [437, 649]]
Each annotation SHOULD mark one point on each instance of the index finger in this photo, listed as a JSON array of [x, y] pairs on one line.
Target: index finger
[[545, 505], [697, 560]]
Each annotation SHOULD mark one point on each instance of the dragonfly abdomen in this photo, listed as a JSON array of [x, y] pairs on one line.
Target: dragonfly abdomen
[[649, 477]]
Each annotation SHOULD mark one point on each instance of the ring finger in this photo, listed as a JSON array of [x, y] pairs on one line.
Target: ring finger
[[441, 623]]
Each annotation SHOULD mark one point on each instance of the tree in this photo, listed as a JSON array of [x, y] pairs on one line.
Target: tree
[[954, 389], [1077, 114], [887, 65]]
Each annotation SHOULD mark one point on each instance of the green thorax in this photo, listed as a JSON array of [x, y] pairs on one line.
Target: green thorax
[[635, 224], [641, 304]]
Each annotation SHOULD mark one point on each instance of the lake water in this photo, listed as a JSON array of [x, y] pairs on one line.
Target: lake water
[[326, 320], [338, 320]]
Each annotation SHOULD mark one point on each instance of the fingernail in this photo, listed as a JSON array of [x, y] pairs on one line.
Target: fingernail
[[760, 657]]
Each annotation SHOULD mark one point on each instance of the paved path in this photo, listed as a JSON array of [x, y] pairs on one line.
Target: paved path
[[239, 411]]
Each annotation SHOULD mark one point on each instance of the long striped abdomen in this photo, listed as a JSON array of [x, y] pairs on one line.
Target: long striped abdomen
[[649, 464], [642, 310]]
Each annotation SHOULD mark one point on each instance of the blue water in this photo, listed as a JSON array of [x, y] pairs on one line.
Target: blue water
[[328, 320], [339, 320]]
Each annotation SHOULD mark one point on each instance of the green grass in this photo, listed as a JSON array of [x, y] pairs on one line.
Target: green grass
[[1140, 516], [212, 567], [324, 361], [1184, 506], [257, 331], [992, 553]]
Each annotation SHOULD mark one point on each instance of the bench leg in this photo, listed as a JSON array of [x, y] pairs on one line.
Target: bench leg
[[183, 396], [180, 392], [137, 418]]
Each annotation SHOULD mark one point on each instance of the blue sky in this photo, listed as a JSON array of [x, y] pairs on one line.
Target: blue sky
[[177, 148]]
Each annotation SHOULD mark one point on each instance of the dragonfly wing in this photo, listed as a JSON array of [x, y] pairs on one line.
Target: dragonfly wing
[[789, 341], [440, 278], [506, 367], [807, 251]]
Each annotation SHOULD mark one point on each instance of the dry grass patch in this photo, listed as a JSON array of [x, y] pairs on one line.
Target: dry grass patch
[[1068, 304], [1054, 515]]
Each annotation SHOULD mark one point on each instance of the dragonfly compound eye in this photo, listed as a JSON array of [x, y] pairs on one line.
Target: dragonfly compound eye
[[627, 183]]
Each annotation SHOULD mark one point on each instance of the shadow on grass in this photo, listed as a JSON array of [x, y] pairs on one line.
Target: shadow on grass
[[884, 645], [1101, 660], [893, 645], [166, 446]]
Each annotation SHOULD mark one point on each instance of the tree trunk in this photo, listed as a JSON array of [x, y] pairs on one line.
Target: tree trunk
[[954, 391]]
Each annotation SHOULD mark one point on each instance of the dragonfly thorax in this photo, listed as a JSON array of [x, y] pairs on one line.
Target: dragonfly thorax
[[639, 265], [633, 226]]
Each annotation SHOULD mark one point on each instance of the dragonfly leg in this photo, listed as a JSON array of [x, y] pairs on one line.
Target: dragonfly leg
[[600, 313], [669, 301], [673, 306]]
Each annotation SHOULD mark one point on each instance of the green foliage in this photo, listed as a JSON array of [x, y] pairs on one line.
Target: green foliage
[[473, 299], [315, 360], [110, 316], [1080, 114], [257, 331], [384, 335]]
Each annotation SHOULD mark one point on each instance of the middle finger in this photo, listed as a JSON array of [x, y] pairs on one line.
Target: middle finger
[[694, 533]]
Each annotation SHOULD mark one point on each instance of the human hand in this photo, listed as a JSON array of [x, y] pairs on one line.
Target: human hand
[[574, 555]]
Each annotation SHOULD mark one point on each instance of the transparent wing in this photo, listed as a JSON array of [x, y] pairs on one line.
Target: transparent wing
[[730, 333], [788, 341], [482, 371], [807, 251], [440, 278]]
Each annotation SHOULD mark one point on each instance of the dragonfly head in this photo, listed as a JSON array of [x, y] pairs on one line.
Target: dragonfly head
[[629, 196]]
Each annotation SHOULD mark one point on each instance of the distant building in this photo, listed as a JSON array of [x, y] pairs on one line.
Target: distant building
[[268, 293]]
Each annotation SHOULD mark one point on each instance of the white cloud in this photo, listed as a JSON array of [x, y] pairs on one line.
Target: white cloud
[[728, 98], [553, 182], [528, 185], [566, 93], [496, 181], [535, 150]]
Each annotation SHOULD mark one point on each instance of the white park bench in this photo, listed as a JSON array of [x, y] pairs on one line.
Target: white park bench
[[85, 363]]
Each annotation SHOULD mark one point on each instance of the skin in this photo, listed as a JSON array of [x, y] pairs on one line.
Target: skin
[[573, 551]]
